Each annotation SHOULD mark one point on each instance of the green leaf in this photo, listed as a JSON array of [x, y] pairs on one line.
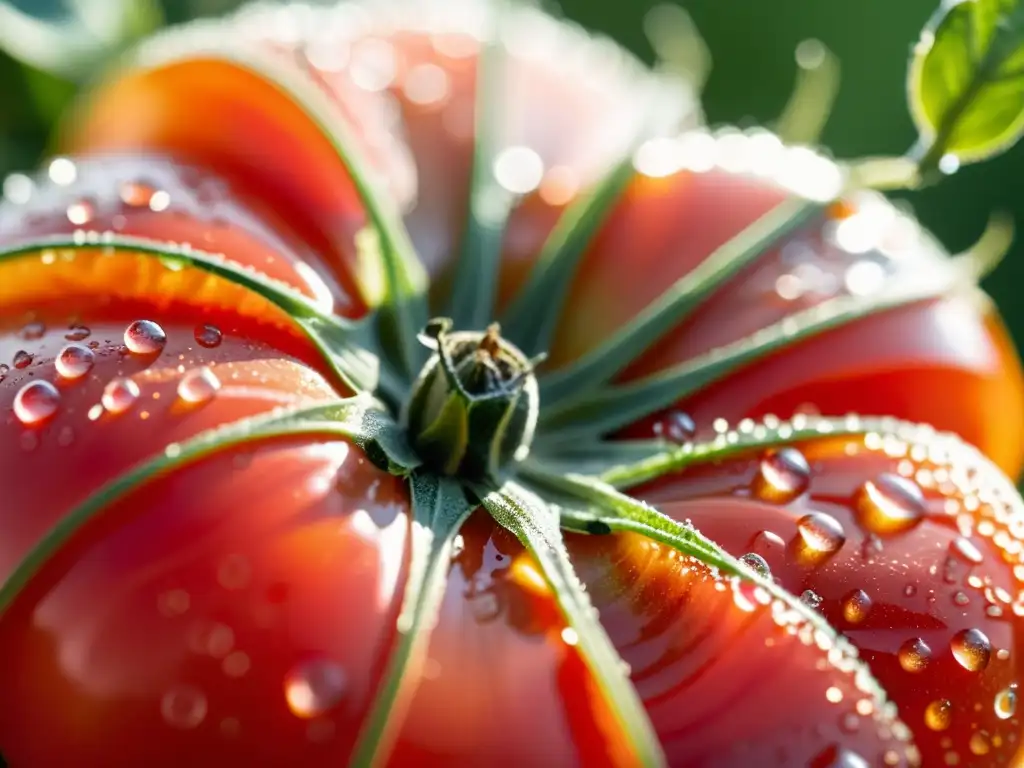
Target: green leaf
[[613, 407], [749, 436], [665, 313], [536, 525], [475, 285], [391, 276], [360, 419], [531, 318], [344, 344], [599, 457], [966, 82], [440, 507], [71, 38]]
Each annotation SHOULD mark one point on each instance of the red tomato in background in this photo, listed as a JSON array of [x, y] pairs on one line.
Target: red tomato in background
[[240, 610]]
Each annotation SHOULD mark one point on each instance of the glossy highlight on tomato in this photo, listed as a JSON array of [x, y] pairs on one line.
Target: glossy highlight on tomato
[[241, 606]]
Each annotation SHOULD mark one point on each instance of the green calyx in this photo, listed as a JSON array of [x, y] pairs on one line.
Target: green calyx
[[473, 408]]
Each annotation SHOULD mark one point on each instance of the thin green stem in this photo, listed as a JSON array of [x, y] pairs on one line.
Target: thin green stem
[[359, 419], [676, 304], [536, 525], [439, 509], [475, 286], [346, 346]]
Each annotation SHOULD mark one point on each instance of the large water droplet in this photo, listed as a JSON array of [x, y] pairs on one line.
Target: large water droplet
[[856, 606], [32, 331], [1005, 703], [820, 536], [208, 336], [144, 337], [980, 743], [914, 655], [811, 599], [314, 687], [120, 395], [889, 504], [676, 427], [938, 715], [22, 359], [198, 385], [757, 564], [964, 550], [74, 361], [782, 475], [77, 333], [36, 402], [183, 706], [972, 649]]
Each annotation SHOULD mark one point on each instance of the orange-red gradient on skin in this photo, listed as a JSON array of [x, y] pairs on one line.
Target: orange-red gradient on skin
[[907, 547], [564, 99], [211, 612]]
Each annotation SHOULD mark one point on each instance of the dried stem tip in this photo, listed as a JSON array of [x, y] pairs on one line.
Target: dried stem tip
[[473, 408]]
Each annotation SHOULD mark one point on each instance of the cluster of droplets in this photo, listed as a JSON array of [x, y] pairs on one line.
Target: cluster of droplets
[[976, 498], [37, 401], [118, 195]]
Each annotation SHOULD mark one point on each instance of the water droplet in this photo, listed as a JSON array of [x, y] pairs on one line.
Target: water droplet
[[65, 437], [821, 536], [811, 599], [676, 427], [22, 359], [939, 714], [1005, 703], [889, 504], [32, 331], [77, 333], [81, 213], [963, 549], [314, 686], [62, 171], [910, 590], [782, 475], [570, 636], [914, 655], [837, 757], [144, 337], [74, 361], [236, 664], [208, 336], [972, 649], [856, 606], [767, 543], [120, 395], [36, 402], [757, 564], [198, 385], [961, 599], [979, 743], [183, 706]]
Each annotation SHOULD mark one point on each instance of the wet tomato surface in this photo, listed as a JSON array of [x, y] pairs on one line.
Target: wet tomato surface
[[240, 608]]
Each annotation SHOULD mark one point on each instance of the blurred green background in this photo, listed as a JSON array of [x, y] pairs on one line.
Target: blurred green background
[[752, 43]]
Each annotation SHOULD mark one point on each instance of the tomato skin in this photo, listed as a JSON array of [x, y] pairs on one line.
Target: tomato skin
[[665, 225], [170, 624], [955, 571], [501, 683]]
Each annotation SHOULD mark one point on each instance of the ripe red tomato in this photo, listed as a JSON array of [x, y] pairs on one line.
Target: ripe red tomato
[[240, 609]]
